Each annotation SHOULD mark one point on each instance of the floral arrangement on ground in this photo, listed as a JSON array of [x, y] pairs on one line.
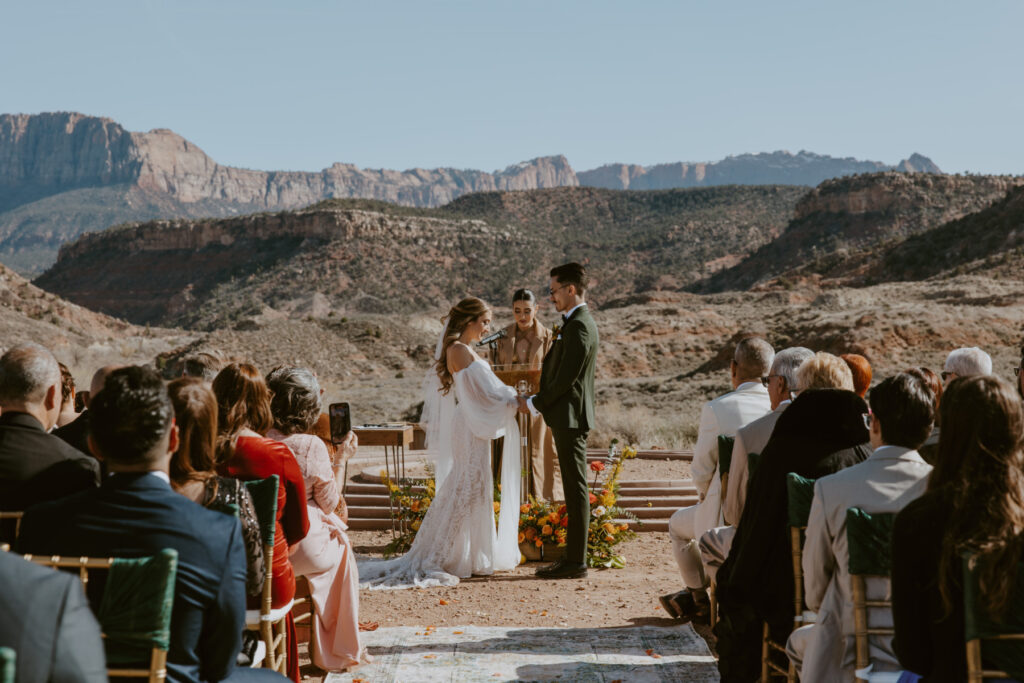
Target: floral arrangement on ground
[[542, 527]]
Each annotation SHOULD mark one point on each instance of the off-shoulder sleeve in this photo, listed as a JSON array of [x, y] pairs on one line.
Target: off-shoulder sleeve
[[485, 402]]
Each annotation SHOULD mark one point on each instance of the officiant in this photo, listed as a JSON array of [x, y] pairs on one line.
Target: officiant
[[526, 343]]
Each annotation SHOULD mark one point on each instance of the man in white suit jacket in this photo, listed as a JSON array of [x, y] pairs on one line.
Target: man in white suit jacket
[[752, 438], [902, 413], [748, 401]]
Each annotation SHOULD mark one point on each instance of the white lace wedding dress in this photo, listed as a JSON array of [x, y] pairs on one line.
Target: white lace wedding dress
[[457, 537]]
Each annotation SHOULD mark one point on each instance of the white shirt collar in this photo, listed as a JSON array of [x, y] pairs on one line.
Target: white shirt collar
[[568, 314]]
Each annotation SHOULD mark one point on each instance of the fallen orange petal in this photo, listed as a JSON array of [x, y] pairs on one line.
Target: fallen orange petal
[[458, 633], [429, 656], [442, 601]]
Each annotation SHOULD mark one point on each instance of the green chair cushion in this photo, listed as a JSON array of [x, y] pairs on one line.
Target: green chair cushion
[[135, 611], [7, 662], [264, 501], [868, 539], [725, 453], [800, 493], [1007, 655]]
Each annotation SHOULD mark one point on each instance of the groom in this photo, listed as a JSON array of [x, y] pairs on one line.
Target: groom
[[566, 400]]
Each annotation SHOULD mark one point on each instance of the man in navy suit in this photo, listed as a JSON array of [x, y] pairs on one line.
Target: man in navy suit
[[136, 513]]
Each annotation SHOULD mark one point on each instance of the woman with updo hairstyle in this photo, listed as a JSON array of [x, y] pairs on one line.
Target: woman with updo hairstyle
[[243, 452], [526, 342], [325, 556], [974, 505], [194, 475]]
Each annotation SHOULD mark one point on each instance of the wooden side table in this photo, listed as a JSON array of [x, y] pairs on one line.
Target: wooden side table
[[395, 439]]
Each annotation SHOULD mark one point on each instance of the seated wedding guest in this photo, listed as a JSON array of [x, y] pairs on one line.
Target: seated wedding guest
[[980, 458], [67, 397], [202, 365], [752, 438], [76, 433], [965, 362], [46, 620], [193, 469], [136, 513], [901, 417], [526, 343], [821, 432], [860, 368], [243, 417], [36, 466], [748, 401], [325, 556], [930, 448]]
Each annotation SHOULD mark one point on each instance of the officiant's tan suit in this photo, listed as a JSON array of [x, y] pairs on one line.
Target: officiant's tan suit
[[515, 348], [889, 479]]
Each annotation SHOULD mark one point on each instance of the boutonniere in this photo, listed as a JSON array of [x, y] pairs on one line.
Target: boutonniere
[[556, 330]]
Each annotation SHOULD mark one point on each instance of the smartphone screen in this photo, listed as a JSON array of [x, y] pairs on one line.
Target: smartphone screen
[[341, 421]]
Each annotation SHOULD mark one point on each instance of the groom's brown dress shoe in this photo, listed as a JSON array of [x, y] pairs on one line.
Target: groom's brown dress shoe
[[563, 570]]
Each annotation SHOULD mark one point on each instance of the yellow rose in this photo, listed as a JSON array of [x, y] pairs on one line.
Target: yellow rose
[[415, 525], [609, 527], [497, 506], [542, 521]]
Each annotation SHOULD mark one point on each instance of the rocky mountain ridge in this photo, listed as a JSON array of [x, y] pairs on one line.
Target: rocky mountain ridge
[[63, 174], [347, 256]]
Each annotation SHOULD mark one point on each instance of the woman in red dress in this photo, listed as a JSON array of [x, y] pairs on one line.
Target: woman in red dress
[[243, 403]]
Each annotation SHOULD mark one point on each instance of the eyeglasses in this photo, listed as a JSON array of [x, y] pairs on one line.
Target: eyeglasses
[[552, 291], [1016, 371], [766, 380], [868, 419], [946, 375]]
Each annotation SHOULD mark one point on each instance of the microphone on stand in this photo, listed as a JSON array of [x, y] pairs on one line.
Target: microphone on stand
[[493, 337]]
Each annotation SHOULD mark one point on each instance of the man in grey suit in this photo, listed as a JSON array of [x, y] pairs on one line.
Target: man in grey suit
[[46, 620], [752, 438], [902, 413]]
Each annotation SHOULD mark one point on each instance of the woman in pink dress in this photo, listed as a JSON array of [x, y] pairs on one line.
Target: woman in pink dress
[[325, 556]]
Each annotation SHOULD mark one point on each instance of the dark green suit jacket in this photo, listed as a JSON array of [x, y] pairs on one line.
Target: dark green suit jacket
[[566, 395]]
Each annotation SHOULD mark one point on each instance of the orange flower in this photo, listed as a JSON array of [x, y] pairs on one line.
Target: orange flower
[[524, 508], [564, 522], [561, 511], [497, 506], [539, 543], [597, 466], [522, 537], [553, 518], [609, 527], [546, 530], [610, 539], [415, 506], [593, 499], [530, 533]]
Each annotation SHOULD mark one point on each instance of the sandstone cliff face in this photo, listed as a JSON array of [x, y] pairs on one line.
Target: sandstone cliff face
[[803, 168]]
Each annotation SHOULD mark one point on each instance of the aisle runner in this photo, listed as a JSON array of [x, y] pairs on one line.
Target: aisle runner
[[494, 653]]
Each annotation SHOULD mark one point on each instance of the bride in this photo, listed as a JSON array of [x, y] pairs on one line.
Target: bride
[[465, 407]]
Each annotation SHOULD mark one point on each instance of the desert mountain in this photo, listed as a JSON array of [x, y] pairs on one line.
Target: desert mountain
[[64, 174], [859, 217], [774, 168], [346, 256]]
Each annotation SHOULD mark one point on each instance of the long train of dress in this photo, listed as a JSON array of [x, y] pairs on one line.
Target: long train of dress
[[457, 537]]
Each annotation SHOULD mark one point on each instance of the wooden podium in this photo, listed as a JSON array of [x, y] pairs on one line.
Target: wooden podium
[[525, 379]]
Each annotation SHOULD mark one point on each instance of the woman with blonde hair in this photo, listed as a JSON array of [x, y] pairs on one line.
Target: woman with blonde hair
[[465, 407]]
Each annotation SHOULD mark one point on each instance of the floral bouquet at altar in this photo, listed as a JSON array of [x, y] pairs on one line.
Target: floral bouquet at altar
[[411, 501], [542, 528]]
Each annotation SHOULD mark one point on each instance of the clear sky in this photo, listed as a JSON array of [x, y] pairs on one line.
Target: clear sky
[[299, 85]]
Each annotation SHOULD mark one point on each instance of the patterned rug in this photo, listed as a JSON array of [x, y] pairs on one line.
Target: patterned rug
[[490, 653]]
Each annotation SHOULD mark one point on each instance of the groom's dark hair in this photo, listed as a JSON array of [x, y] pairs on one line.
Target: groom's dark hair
[[572, 274]]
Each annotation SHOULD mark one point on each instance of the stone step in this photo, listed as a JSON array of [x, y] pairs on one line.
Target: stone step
[[675, 502], [361, 512], [652, 493], [357, 488], [366, 499], [644, 483], [653, 512], [648, 525], [373, 524]]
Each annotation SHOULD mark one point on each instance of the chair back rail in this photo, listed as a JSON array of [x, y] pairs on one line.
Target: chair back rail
[[1000, 641], [273, 632], [868, 538]]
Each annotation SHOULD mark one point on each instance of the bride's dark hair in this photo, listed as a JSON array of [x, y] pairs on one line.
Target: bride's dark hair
[[458, 318]]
